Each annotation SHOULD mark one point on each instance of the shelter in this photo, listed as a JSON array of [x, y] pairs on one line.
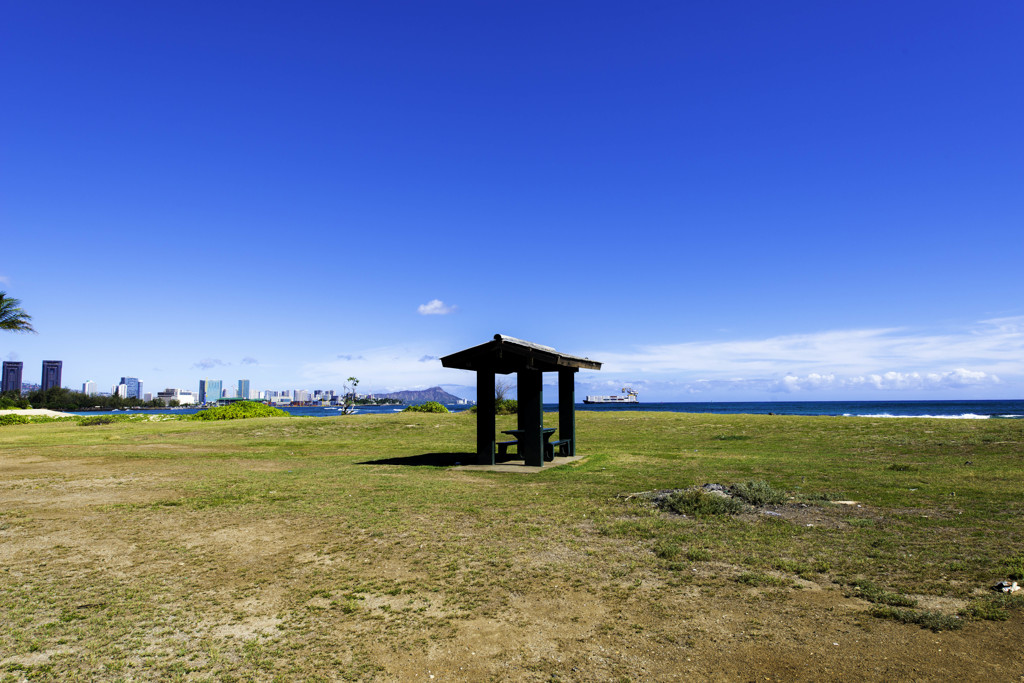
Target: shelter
[[505, 355]]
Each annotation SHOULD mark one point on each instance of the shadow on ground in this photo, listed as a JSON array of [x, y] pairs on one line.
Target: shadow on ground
[[437, 460]]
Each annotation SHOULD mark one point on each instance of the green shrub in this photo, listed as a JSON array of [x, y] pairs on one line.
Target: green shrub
[[667, 550], [936, 621], [12, 401], [994, 607], [14, 420], [758, 493], [1015, 566], [506, 406], [428, 407], [986, 610], [104, 420], [698, 555], [872, 593], [238, 411], [700, 503]]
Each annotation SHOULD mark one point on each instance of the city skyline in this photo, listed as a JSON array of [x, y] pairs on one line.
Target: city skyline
[[720, 201]]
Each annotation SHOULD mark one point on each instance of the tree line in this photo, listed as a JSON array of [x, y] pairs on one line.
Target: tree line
[[62, 398]]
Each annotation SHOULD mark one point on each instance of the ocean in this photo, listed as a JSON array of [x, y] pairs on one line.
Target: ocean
[[964, 410]]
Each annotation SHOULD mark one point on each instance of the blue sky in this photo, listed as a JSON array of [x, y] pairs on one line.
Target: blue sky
[[721, 201]]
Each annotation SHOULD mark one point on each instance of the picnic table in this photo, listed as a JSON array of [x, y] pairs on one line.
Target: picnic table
[[549, 446]]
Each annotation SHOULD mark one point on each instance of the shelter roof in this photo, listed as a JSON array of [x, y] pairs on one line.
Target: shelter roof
[[505, 355]]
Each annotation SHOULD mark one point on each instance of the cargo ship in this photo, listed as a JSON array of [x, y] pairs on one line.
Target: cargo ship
[[629, 396]]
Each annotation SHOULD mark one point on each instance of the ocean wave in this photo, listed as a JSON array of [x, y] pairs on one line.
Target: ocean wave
[[964, 416]]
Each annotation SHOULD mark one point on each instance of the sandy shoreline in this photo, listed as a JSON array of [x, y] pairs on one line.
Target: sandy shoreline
[[36, 411]]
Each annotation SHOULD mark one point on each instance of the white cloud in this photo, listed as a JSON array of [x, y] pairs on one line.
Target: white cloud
[[992, 346], [207, 363], [385, 369], [4, 280], [435, 307], [831, 364], [834, 361]]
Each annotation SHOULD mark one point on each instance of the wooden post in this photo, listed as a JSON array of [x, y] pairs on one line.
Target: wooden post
[[567, 407], [531, 416], [485, 417]]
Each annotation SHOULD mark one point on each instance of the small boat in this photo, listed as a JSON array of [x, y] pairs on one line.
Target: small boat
[[629, 396]]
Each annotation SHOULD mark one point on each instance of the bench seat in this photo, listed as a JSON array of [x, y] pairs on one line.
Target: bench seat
[[503, 446], [561, 444]]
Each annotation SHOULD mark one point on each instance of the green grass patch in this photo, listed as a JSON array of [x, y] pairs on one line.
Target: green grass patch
[[698, 555], [93, 420], [1015, 566], [995, 607], [270, 548], [762, 579], [868, 590], [935, 621]]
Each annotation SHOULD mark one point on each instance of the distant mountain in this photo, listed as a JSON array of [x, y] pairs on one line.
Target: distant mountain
[[432, 394]]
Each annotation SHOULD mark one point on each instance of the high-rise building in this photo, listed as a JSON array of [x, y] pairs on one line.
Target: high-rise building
[[243, 389], [51, 373], [134, 386], [11, 380], [120, 390], [183, 397], [89, 388], [209, 390]]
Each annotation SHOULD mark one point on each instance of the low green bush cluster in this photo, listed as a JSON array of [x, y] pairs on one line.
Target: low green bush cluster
[[936, 621], [872, 593], [105, 420], [758, 493], [14, 420], [701, 503], [1015, 566], [506, 406], [994, 608], [237, 411], [428, 407]]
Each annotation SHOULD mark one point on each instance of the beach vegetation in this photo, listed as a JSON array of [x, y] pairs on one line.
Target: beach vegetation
[[62, 398], [12, 400], [505, 406], [701, 503], [868, 590], [758, 493], [932, 620], [428, 407], [240, 410], [94, 420], [1015, 566]]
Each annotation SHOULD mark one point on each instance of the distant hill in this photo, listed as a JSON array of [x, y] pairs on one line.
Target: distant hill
[[432, 394]]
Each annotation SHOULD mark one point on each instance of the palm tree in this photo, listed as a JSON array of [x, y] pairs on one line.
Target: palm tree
[[12, 317]]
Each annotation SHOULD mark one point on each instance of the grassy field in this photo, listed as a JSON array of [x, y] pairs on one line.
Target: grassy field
[[323, 549]]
